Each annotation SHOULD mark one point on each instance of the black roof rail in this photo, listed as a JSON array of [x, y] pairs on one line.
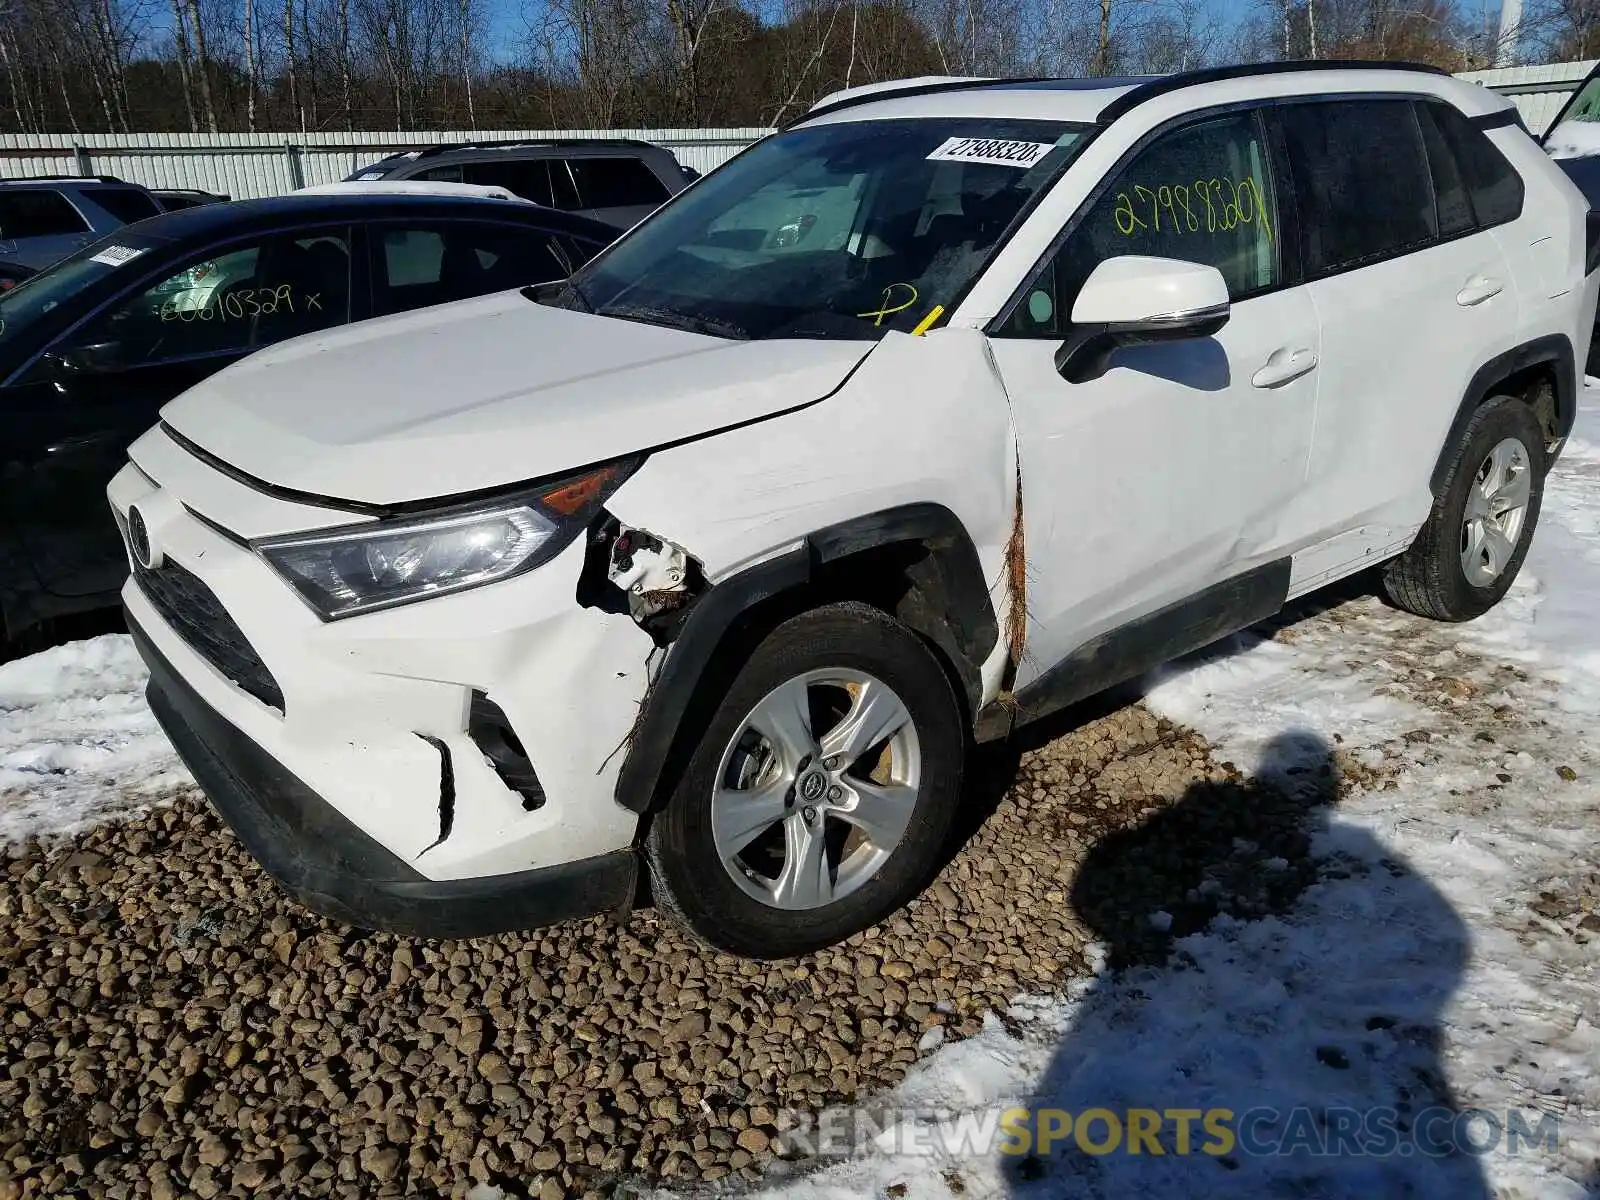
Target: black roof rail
[[1134, 96], [1184, 79], [60, 178], [446, 147]]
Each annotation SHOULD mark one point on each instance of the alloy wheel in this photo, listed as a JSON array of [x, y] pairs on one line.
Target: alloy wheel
[[816, 788], [1497, 508]]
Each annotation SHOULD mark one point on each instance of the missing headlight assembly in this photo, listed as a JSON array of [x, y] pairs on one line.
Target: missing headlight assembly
[[633, 571]]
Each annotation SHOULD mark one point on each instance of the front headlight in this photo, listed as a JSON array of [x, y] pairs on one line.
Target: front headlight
[[361, 568]]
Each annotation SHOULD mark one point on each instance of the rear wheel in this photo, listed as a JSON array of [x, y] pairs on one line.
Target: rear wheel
[[1469, 552], [821, 793]]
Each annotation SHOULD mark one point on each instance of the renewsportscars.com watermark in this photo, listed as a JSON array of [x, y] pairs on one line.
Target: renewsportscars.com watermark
[[1362, 1132]]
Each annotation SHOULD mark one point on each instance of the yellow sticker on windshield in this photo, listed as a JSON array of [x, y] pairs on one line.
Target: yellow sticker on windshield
[[889, 310], [926, 323]]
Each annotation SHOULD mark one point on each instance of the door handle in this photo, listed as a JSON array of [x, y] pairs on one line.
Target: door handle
[[1478, 289], [1283, 366]]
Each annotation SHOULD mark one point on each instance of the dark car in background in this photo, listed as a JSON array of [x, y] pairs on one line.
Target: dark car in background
[[614, 180], [47, 217], [93, 347], [172, 199]]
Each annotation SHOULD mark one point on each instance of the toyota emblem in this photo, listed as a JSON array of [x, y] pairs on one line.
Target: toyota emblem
[[144, 553]]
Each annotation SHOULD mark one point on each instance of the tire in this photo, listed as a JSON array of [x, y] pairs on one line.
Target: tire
[[751, 898], [1431, 579]]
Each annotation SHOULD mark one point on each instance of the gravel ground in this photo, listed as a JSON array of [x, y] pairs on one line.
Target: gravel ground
[[173, 1026]]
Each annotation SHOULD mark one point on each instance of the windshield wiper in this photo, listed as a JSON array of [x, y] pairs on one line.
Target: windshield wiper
[[558, 295], [710, 326]]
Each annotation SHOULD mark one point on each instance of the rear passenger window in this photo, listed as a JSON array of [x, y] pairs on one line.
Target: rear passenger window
[[1450, 199], [1492, 182], [445, 174], [528, 178], [435, 263], [1361, 179], [1203, 193], [616, 182], [125, 204], [42, 213]]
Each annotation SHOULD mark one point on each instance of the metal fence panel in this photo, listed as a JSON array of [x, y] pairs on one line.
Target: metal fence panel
[[1538, 92]]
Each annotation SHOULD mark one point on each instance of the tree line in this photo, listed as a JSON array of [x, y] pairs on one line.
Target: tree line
[[74, 66]]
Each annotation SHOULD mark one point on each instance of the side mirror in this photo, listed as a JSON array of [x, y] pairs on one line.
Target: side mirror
[[1133, 300]]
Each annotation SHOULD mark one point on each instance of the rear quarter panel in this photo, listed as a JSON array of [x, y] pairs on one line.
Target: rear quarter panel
[[1545, 245]]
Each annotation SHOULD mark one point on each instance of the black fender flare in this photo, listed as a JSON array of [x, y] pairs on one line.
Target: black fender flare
[[967, 635], [1555, 350]]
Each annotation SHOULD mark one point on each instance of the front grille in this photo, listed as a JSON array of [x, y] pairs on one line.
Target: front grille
[[199, 618]]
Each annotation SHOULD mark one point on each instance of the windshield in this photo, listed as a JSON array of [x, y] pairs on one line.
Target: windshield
[[38, 298], [1576, 134], [843, 230]]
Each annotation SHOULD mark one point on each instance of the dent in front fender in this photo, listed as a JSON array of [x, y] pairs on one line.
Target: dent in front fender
[[919, 444]]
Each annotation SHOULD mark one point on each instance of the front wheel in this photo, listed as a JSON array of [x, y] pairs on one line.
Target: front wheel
[[821, 792], [1472, 546]]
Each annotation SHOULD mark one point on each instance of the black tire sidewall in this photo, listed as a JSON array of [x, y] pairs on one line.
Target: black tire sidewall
[[686, 873], [1498, 419]]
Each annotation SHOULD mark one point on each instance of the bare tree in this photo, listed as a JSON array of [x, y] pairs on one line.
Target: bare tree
[[820, 47], [292, 65], [465, 18], [251, 65], [8, 63], [208, 110], [593, 50], [181, 37], [344, 63]]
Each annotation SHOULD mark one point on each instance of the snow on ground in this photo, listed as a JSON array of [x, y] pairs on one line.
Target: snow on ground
[[77, 743], [1444, 959]]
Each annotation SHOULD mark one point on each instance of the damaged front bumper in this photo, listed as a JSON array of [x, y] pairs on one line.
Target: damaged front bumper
[[445, 768], [330, 866]]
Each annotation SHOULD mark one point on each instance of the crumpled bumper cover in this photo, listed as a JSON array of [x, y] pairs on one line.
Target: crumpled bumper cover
[[330, 866]]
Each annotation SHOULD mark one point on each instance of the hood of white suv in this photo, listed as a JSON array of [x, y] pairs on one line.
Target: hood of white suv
[[485, 393]]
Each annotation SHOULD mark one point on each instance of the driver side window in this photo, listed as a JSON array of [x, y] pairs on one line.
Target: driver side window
[[231, 302], [1203, 193]]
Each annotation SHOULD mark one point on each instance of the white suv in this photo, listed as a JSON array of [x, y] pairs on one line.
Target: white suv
[[951, 404]]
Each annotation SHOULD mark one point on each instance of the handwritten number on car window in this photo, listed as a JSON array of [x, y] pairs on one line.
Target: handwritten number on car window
[[1227, 205], [244, 303]]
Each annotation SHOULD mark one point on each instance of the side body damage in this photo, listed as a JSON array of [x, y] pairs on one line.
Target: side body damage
[[899, 490]]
